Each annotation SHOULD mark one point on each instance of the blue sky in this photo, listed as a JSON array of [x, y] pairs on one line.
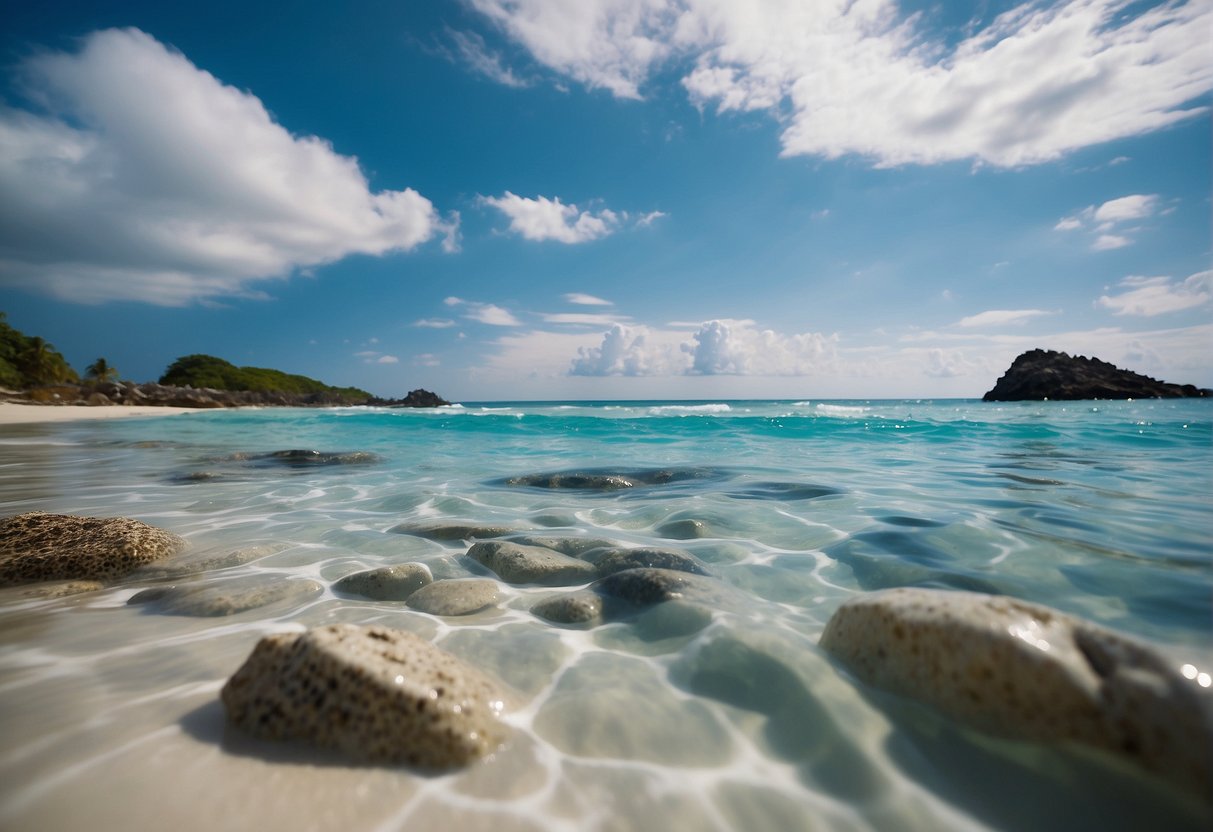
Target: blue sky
[[532, 199]]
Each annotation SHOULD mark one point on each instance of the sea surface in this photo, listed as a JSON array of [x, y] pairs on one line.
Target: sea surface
[[109, 712]]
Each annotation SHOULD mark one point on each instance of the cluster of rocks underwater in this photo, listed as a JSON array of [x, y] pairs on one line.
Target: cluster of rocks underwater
[[384, 696]]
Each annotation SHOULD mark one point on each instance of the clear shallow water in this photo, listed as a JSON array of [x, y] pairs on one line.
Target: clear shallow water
[[1100, 509]]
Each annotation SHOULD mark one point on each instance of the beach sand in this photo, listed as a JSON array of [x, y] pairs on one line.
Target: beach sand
[[21, 414]]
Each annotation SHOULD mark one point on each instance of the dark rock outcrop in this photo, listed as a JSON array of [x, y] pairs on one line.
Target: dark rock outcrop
[[1040, 375], [37, 546], [372, 693]]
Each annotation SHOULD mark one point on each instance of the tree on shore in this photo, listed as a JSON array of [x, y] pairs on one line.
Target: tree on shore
[[101, 370], [41, 363]]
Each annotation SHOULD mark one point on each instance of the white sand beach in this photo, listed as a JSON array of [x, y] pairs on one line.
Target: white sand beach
[[12, 413]]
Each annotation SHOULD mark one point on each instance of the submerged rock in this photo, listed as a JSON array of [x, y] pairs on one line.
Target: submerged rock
[[61, 589], [390, 583], [226, 597], [373, 693], [647, 586], [603, 480], [1025, 670], [195, 563], [572, 546], [454, 597], [452, 531], [519, 564], [584, 607], [684, 529], [1046, 374], [615, 559], [37, 546], [306, 458]]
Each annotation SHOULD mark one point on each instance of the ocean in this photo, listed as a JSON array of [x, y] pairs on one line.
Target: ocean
[[679, 719]]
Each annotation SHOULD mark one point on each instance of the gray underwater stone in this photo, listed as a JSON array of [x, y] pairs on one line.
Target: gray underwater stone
[[606, 480], [452, 531], [226, 597], [454, 597], [1024, 670], [373, 693], [389, 583], [584, 607], [647, 586], [568, 545], [195, 563], [518, 564], [612, 560], [37, 546], [684, 529]]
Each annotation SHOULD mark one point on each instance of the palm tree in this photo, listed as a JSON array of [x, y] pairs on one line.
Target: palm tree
[[38, 363], [101, 370]]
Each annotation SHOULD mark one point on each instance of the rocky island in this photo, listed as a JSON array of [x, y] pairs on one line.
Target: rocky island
[[1041, 375]]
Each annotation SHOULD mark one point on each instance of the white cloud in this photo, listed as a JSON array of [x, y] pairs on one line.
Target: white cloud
[[1150, 296], [1132, 207], [718, 347], [471, 50], [847, 77], [582, 319], [581, 299], [1002, 317], [1111, 216], [146, 178], [1108, 242], [485, 313], [627, 352], [387, 359], [434, 323], [550, 219], [375, 357], [426, 359]]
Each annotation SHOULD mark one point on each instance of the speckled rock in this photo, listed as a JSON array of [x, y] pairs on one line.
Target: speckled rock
[[452, 531], [37, 546], [226, 597], [1028, 671], [454, 597], [390, 583], [60, 589], [373, 693], [530, 564], [610, 561], [584, 607]]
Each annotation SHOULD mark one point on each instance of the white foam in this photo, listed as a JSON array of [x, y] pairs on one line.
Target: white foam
[[688, 409]]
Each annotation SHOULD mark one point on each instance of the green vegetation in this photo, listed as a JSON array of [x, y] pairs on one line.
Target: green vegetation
[[101, 370], [30, 362], [208, 371]]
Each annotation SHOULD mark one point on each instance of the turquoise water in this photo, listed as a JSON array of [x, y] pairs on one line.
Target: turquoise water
[[1101, 509]]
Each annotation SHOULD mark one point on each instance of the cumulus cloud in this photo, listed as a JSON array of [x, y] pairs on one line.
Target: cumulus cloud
[[550, 219], [941, 363], [387, 359], [485, 313], [717, 347], [581, 299], [626, 352], [846, 77], [1115, 215], [1150, 296], [143, 177], [375, 357], [1002, 317]]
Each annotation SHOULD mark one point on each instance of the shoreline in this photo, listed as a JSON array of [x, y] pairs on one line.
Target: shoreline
[[12, 413]]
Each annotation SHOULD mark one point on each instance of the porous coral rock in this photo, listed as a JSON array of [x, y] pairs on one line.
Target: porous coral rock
[[374, 693], [37, 546], [1024, 670]]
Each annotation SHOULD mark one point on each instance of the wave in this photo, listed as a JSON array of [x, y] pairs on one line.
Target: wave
[[688, 409]]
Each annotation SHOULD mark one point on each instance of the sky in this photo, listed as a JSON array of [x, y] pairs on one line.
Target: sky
[[612, 199]]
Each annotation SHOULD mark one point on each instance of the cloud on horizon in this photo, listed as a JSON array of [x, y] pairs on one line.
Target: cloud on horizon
[[1150, 296], [145, 178], [867, 79]]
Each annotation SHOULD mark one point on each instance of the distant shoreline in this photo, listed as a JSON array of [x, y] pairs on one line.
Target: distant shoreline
[[12, 413]]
